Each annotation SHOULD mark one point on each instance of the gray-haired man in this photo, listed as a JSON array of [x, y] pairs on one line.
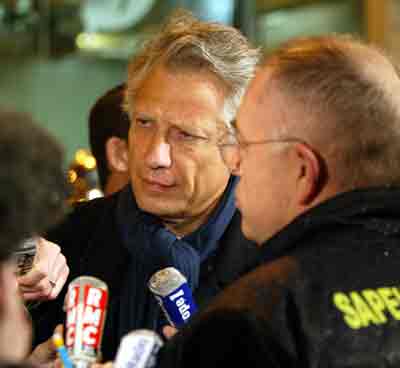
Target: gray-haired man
[[183, 90]]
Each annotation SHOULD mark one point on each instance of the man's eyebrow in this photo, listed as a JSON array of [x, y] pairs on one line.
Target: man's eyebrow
[[143, 115], [191, 128]]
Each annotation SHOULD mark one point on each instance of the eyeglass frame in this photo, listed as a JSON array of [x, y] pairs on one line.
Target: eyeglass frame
[[241, 144]]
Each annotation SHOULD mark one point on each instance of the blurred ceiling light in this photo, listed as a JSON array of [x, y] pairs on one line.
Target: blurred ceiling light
[[113, 15], [94, 193], [84, 158], [110, 45]]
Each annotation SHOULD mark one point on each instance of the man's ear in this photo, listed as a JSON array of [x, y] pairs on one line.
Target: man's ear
[[309, 174], [117, 154]]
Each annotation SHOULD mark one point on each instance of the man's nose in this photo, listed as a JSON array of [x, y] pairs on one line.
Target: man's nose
[[159, 154]]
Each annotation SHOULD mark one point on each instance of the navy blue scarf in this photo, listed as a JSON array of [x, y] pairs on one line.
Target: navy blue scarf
[[153, 247]]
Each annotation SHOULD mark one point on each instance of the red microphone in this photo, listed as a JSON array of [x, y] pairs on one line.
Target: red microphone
[[87, 300]]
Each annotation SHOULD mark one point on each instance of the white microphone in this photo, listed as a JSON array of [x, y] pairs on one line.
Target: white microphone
[[138, 349]]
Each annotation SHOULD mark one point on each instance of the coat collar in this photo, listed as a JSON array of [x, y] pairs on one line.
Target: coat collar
[[361, 207]]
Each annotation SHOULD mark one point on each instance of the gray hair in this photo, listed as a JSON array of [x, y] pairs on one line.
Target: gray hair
[[186, 42], [348, 95]]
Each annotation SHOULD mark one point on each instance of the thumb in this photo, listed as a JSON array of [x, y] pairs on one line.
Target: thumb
[[59, 330], [43, 353], [169, 331], [49, 346]]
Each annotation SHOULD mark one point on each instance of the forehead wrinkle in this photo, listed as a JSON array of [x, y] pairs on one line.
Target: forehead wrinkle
[[195, 119], [201, 107]]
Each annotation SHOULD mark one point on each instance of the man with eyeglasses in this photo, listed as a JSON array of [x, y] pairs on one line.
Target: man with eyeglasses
[[317, 149], [183, 91]]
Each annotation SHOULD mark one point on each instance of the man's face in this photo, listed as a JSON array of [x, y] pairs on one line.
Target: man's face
[[175, 167], [15, 328], [263, 194]]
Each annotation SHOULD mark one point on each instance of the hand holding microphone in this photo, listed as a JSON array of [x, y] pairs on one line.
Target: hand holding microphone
[[41, 269]]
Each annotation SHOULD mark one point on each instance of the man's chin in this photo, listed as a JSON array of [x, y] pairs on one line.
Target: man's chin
[[247, 231], [164, 209]]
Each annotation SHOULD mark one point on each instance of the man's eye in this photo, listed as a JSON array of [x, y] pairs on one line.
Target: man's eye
[[185, 135], [143, 122]]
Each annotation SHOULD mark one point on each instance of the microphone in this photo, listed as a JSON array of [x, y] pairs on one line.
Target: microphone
[[87, 300], [24, 256], [138, 349], [173, 293]]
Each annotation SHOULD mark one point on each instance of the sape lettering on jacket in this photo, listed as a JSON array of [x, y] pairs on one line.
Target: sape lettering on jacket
[[364, 308]]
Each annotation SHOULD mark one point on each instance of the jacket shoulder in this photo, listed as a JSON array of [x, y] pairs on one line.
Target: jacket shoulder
[[237, 255], [77, 231]]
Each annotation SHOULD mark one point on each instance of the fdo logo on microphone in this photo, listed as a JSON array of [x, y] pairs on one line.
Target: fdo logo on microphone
[[86, 309], [180, 304], [173, 293]]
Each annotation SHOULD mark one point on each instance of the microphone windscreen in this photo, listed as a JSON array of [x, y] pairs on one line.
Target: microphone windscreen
[[138, 349], [86, 306], [174, 295]]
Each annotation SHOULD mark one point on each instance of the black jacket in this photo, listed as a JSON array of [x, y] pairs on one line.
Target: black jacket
[[327, 294], [91, 242]]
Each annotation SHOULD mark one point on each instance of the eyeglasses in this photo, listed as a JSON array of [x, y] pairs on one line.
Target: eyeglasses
[[230, 148]]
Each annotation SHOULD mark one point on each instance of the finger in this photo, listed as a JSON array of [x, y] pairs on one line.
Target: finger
[[33, 277], [58, 363], [41, 291], [44, 353], [34, 296], [58, 267], [46, 254], [43, 286], [102, 365], [59, 329], [59, 284], [46, 250], [169, 331]]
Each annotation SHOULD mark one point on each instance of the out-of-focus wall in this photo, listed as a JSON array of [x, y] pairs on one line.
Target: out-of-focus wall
[[306, 18], [58, 92], [382, 23]]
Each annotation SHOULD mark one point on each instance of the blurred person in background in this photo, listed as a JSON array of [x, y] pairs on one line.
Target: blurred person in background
[[318, 142], [108, 137], [183, 90], [104, 170], [32, 195]]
